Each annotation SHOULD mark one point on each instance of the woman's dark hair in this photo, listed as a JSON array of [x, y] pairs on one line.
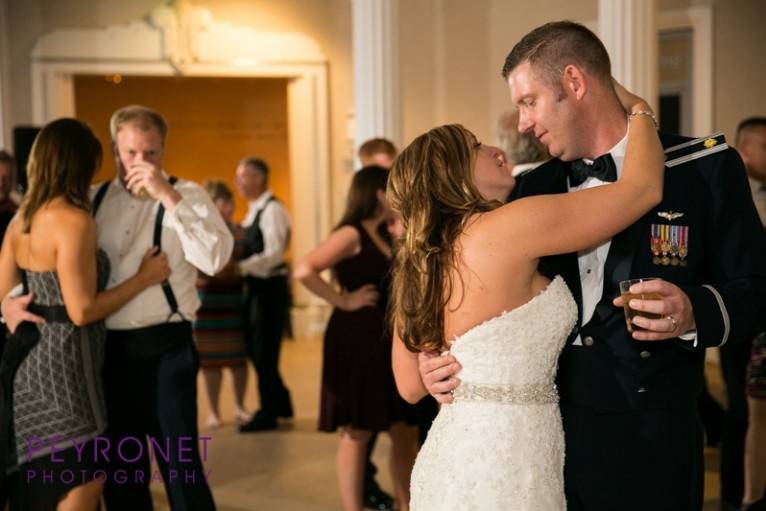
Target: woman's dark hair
[[64, 158], [362, 202]]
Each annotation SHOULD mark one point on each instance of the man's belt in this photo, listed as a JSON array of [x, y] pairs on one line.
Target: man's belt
[[150, 341]]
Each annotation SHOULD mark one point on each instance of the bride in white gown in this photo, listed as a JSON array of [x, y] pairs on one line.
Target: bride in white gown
[[466, 280]]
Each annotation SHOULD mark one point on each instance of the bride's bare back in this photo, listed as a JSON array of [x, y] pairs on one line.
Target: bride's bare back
[[485, 281]]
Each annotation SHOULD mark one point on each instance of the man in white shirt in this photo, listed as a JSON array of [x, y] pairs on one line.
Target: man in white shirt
[[267, 228], [151, 364]]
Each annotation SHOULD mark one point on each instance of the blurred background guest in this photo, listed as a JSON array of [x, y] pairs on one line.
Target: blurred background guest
[[381, 152], [8, 206], [8, 200], [377, 151], [358, 393], [267, 310], [218, 329], [751, 144], [523, 150]]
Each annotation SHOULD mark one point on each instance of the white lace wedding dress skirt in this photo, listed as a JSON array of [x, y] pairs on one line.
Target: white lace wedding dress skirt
[[500, 445]]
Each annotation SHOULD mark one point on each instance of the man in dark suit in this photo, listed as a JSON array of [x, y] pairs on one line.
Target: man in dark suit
[[629, 401]]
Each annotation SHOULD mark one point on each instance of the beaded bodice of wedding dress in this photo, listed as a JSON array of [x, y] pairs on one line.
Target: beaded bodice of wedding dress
[[500, 444]]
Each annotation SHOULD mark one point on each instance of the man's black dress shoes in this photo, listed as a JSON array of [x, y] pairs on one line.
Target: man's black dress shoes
[[375, 498], [259, 422]]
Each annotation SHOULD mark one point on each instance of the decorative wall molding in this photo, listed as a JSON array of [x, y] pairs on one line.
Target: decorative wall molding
[[182, 35]]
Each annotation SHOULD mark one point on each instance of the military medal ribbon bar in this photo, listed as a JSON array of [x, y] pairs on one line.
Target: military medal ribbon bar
[[669, 244]]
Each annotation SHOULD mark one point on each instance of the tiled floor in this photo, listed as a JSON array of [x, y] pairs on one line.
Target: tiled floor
[[292, 469]]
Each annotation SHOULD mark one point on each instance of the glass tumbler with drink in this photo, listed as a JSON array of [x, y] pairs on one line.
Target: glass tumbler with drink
[[627, 296]]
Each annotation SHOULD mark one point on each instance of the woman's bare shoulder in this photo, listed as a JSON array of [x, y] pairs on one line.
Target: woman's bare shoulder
[[64, 218], [491, 227], [15, 227], [490, 245]]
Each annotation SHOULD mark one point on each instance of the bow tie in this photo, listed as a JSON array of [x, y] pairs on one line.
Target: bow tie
[[603, 168]]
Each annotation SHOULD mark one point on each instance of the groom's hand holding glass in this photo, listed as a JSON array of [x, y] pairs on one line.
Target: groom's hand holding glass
[[673, 310]]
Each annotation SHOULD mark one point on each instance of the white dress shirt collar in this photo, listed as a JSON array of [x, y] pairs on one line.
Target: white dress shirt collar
[[591, 261], [618, 154], [194, 237], [256, 205]]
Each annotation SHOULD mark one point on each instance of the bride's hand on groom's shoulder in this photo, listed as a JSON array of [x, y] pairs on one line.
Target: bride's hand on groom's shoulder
[[630, 102], [438, 374]]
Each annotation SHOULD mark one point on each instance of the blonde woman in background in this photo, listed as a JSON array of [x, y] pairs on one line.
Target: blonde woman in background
[[218, 329]]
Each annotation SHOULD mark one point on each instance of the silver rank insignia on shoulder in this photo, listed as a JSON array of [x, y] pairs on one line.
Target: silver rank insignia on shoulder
[[693, 149], [669, 215]]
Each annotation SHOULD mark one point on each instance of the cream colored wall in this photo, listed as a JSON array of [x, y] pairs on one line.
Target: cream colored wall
[[739, 74], [739, 86], [452, 52]]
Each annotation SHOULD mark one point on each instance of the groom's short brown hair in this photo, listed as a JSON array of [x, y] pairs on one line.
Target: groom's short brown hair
[[551, 47]]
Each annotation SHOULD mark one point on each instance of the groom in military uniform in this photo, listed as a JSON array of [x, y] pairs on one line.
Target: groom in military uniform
[[629, 400]]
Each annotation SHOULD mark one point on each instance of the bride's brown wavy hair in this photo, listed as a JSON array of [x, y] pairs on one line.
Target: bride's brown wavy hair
[[431, 187]]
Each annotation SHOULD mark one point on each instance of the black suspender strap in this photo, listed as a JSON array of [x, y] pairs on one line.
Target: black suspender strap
[[257, 219], [254, 243], [99, 198], [166, 289]]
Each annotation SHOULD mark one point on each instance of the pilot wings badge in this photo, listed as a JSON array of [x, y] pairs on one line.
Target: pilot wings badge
[[669, 215]]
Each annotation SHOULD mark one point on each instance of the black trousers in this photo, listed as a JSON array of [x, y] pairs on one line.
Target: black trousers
[[633, 461], [150, 377], [734, 359], [266, 315]]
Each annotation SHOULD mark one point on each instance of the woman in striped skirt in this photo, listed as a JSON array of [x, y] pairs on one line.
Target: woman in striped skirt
[[218, 330]]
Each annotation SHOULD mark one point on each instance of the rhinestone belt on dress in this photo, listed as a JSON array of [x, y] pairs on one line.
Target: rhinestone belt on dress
[[525, 394]]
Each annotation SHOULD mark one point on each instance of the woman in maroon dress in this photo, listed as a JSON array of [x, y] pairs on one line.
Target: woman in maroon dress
[[358, 391]]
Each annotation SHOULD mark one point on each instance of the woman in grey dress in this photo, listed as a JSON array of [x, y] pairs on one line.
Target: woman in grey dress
[[50, 375]]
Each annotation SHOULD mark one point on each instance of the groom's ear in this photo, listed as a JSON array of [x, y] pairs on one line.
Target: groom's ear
[[574, 81]]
